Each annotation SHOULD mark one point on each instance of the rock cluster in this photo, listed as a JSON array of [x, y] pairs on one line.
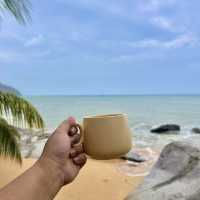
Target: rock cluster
[[32, 142], [176, 174]]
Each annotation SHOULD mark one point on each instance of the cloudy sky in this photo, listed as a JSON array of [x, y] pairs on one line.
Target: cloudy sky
[[104, 47]]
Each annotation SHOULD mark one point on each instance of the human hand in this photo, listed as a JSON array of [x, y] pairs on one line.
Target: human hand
[[64, 152]]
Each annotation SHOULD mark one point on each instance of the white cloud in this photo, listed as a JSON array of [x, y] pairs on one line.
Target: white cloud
[[34, 41], [155, 5], [169, 24], [152, 10], [163, 22], [156, 46], [180, 41]]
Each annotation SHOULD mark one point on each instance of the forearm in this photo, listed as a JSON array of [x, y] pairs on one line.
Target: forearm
[[42, 182], [59, 164]]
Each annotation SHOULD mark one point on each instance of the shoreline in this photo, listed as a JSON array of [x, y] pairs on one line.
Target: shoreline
[[107, 179], [97, 180]]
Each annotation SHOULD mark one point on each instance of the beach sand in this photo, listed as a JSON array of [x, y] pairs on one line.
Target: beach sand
[[98, 180]]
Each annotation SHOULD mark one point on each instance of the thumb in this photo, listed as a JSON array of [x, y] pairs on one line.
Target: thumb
[[64, 127]]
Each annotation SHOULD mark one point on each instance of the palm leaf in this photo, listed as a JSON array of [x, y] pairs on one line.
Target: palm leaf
[[18, 111], [9, 146], [20, 9]]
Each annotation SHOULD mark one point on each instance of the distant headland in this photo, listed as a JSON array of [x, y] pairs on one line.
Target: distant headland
[[9, 89]]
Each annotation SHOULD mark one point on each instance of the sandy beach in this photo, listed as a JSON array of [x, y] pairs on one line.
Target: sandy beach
[[98, 180]]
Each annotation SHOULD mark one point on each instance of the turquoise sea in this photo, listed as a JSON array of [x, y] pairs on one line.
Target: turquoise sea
[[144, 112]]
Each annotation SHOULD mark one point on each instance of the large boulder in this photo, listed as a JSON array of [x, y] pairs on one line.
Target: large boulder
[[176, 175], [166, 128], [32, 142], [196, 130]]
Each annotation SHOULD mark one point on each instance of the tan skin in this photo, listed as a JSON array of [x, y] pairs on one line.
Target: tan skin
[[59, 164]]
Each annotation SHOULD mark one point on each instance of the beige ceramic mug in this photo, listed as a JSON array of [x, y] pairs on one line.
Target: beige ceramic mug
[[106, 136]]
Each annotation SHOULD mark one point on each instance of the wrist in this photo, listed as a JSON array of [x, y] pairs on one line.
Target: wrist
[[51, 176]]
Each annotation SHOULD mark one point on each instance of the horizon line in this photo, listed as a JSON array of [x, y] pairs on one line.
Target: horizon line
[[181, 94]]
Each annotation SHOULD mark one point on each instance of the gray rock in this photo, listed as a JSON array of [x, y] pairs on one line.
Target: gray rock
[[32, 142], [34, 139], [26, 151], [38, 148], [176, 175], [196, 130], [170, 128], [43, 136], [132, 156]]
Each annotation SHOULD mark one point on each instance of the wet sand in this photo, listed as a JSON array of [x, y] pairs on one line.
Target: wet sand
[[97, 180]]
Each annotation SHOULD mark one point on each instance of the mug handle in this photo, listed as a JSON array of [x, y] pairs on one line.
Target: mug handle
[[79, 130]]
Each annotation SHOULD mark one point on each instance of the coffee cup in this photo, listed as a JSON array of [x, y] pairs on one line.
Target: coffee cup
[[106, 136]]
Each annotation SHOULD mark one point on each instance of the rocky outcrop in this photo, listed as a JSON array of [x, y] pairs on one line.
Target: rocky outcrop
[[196, 130], [6, 88], [168, 128], [32, 142], [134, 157], [176, 175]]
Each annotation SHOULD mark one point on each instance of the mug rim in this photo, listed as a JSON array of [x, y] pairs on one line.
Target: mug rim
[[106, 115]]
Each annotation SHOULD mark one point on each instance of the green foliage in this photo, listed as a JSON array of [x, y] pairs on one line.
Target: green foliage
[[20, 9], [19, 112], [9, 137]]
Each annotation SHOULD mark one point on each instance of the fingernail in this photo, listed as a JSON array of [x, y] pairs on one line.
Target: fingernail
[[80, 160], [76, 160], [71, 120]]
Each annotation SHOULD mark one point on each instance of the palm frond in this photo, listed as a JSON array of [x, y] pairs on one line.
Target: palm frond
[[20, 9], [9, 146], [19, 110]]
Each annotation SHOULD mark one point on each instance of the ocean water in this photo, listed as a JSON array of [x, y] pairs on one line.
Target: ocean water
[[144, 112]]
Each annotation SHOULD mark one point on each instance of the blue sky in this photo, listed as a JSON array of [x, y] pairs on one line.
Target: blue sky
[[104, 47]]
